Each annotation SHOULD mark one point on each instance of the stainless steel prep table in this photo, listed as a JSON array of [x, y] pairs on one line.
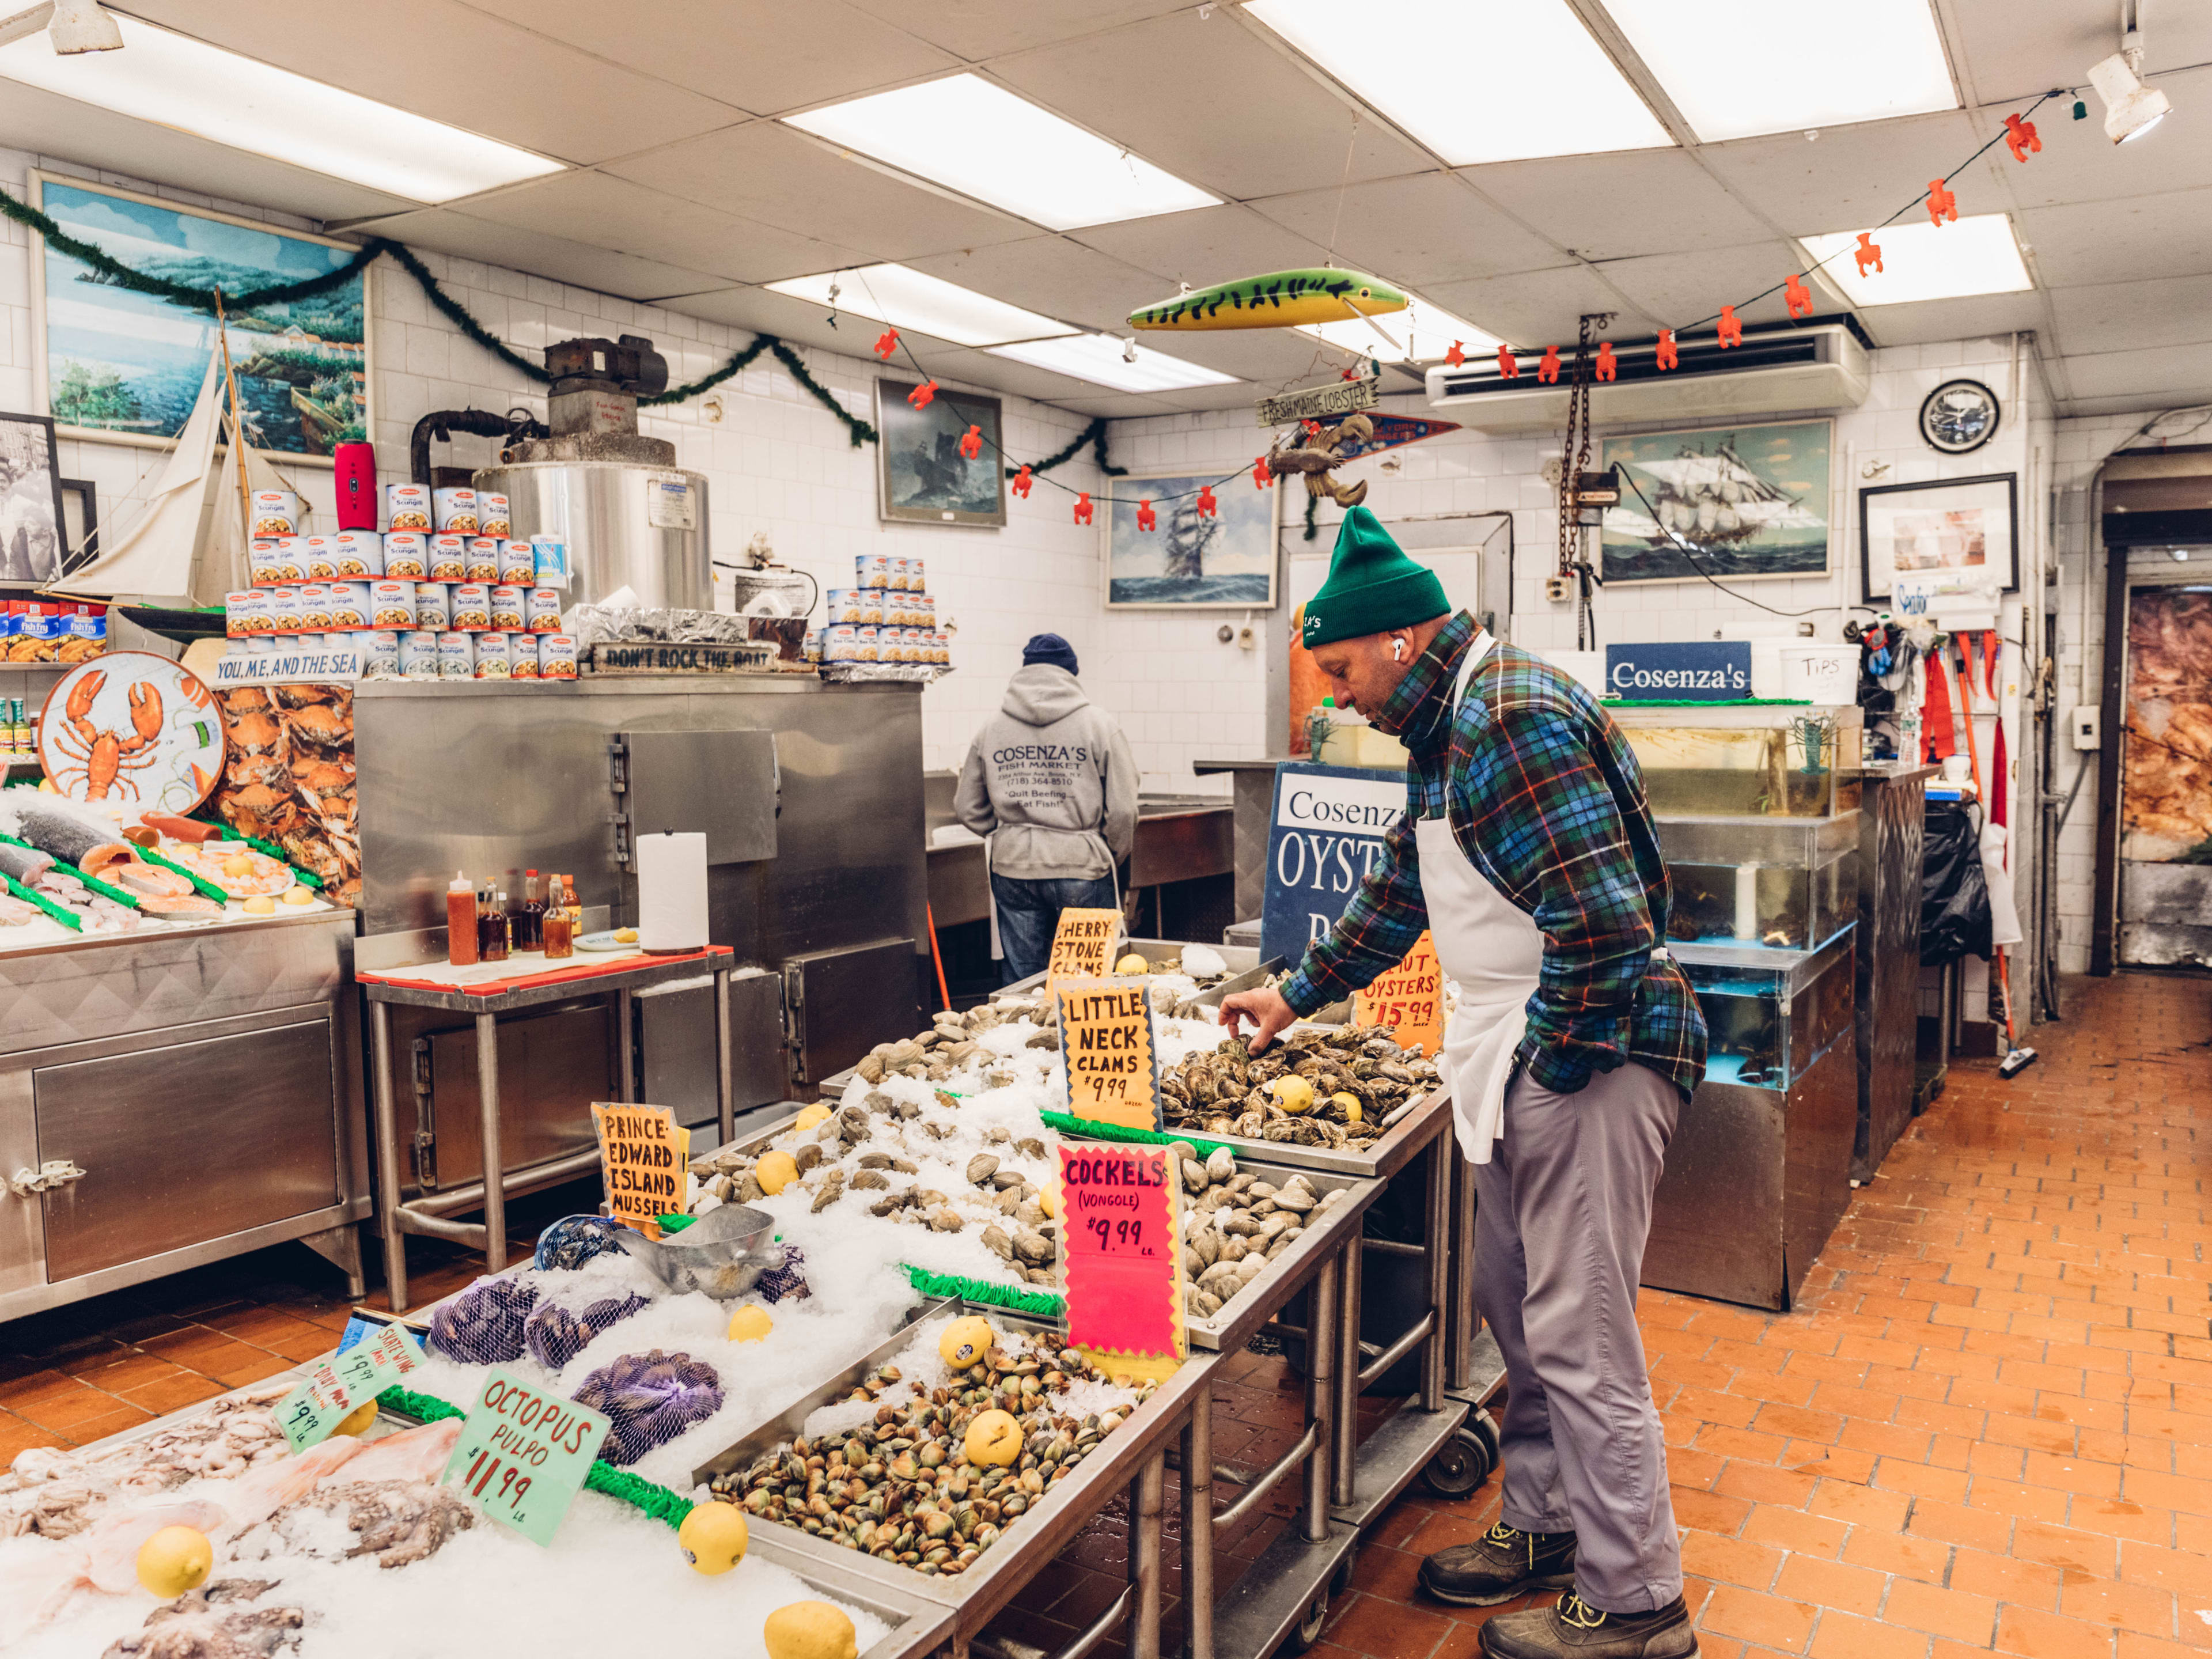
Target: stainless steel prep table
[[190, 1093]]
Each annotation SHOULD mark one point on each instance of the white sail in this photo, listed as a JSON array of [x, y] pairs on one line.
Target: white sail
[[224, 565], [158, 559]]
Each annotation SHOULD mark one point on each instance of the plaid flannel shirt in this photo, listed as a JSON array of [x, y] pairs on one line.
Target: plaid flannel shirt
[[1547, 800]]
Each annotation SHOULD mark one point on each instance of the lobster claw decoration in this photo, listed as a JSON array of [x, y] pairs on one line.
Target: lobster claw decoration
[[886, 344], [1868, 252], [1261, 476], [1606, 363], [1083, 507], [1665, 355], [1797, 297], [1021, 481], [1456, 355], [1146, 518], [971, 442], [921, 395], [2019, 137], [1207, 506], [1548, 370], [1942, 203], [1731, 327], [1507, 368]]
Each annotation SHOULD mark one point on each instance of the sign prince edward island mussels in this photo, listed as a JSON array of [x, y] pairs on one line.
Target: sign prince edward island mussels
[[1326, 833]]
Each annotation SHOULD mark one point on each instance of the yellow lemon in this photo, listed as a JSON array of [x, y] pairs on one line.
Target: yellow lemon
[[965, 1341], [1349, 1103], [299, 895], [775, 1172], [174, 1560], [238, 866], [810, 1630], [1048, 1197], [813, 1114], [357, 1421], [1293, 1094], [994, 1438], [749, 1324], [625, 935], [712, 1538], [260, 905], [1133, 964]]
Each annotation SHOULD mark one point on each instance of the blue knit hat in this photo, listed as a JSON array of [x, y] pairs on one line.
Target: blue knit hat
[[1049, 648]]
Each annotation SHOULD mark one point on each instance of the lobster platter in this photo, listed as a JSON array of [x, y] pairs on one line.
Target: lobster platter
[[132, 728]]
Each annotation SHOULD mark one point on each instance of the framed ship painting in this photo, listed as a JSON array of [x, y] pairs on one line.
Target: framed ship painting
[[125, 367], [1741, 503], [921, 476], [1164, 553]]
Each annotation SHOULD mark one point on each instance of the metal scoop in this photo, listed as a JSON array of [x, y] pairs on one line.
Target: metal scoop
[[721, 1253]]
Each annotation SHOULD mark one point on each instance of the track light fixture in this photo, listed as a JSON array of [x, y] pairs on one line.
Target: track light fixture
[[2131, 109], [71, 26]]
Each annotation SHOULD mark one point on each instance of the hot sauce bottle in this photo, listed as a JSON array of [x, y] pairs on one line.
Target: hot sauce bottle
[[529, 917], [460, 922], [558, 929], [491, 926]]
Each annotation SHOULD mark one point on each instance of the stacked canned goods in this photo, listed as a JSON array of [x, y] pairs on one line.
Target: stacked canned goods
[[888, 615]]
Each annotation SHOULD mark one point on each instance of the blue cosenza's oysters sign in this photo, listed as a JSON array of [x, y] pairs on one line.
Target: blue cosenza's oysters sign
[[1715, 671], [1327, 834]]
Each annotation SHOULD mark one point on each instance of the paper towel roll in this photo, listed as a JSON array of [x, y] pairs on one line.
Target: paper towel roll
[[671, 891]]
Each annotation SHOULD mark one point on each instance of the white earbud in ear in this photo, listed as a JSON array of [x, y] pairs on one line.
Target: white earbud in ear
[[1397, 651]]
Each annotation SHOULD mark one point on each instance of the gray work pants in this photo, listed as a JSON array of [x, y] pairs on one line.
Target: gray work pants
[[1563, 1209]]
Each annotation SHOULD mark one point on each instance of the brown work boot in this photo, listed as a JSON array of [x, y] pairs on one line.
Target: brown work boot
[[1504, 1563], [1576, 1629]]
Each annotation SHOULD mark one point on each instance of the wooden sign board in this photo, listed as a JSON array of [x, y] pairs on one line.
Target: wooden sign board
[[1083, 946], [645, 1155], [1309, 403], [1110, 1043], [1120, 1219], [1408, 999], [523, 1454]]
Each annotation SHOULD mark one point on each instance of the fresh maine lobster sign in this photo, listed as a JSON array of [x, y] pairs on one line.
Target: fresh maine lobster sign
[[1337, 397]]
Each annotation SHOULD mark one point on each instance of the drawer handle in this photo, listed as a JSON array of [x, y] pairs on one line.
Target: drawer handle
[[53, 1173]]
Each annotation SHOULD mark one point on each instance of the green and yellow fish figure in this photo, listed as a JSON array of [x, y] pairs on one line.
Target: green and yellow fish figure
[[1282, 299]]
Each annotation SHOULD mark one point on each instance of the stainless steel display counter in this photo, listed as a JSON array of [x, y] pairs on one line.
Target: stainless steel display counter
[[1892, 821], [176, 1095]]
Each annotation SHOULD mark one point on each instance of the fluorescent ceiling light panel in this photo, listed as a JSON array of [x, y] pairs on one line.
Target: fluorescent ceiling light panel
[[175, 81], [967, 134], [1474, 80], [1739, 68], [926, 305], [1921, 261], [1420, 333], [1098, 359]]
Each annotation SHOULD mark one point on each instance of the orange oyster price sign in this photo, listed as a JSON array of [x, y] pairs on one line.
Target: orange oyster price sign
[[1408, 999]]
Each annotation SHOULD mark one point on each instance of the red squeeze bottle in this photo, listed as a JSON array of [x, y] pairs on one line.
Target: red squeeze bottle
[[353, 473]]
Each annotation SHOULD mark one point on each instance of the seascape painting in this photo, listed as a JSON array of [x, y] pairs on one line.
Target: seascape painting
[[126, 365], [921, 476], [1736, 504], [1189, 559]]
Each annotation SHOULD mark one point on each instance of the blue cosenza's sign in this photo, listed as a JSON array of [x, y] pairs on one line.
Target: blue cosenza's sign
[[1718, 671], [1324, 836]]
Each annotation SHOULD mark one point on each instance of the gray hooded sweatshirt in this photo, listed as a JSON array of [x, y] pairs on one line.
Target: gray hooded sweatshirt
[[1053, 777]]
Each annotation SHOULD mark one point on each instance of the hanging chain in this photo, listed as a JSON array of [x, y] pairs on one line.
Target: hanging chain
[[1574, 461]]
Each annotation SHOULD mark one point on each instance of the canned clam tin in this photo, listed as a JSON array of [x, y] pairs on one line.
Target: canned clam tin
[[874, 602], [418, 655], [507, 612], [275, 513], [556, 657], [244, 614], [449, 557], [456, 657], [917, 580], [406, 555], [284, 609], [518, 565], [357, 553], [483, 560], [868, 644], [319, 556], [471, 607], [455, 510], [844, 605], [291, 559], [406, 506], [433, 607], [349, 604], [379, 656], [266, 560], [314, 607], [544, 610], [522, 650], [494, 660], [390, 605], [492, 514], [841, 642], [897, 581], [872, 570]]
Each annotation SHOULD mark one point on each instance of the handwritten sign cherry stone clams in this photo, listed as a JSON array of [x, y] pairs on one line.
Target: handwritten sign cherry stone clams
[[334, 1391], [1082, 945], [645, 1154], [523, 1454], [1110, 1043], [1122, 1217], [1409, 999]]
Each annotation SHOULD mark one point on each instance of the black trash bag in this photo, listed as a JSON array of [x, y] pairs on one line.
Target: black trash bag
[[1954, 894]]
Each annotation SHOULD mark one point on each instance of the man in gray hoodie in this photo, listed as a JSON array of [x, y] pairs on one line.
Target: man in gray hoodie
[[1051, 779]]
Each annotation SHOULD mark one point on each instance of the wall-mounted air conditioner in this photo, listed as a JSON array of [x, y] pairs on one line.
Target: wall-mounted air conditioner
[[1811, 365]]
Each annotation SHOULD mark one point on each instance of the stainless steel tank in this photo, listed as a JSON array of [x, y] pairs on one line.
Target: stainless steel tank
[[627, 526]]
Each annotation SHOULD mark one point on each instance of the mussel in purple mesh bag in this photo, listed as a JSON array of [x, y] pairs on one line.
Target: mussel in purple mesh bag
[[649, 1399]]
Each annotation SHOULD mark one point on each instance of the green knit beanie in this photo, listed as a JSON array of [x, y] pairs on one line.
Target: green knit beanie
[[1372, 587]]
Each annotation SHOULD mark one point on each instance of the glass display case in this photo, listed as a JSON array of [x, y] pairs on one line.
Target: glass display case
[[1780, 883], [1746, 760]]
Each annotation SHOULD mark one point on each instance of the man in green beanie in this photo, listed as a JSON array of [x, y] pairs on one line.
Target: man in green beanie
[[1529, 851]]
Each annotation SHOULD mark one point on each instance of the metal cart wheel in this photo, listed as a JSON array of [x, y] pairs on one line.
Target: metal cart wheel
[[1465, 1460], [1340, 1580], [1307, 1631]]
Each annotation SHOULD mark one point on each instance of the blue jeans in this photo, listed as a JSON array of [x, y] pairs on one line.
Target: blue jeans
[[1029, 913]]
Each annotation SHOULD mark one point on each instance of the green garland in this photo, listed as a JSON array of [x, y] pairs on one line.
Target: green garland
[[1095, 436], [983, 1290], [1312, 506], [1090, 1129]]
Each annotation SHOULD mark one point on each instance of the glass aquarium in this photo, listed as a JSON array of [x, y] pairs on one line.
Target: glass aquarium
[[1769, 1015], [1783, 884], [1747, 760]]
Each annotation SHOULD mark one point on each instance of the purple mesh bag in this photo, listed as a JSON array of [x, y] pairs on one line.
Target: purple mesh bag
[[555, 1335], [484, 1325], [650, 1399]]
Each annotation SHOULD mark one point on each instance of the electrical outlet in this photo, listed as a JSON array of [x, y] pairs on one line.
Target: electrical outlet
[[1558, 589], [2088, 726]]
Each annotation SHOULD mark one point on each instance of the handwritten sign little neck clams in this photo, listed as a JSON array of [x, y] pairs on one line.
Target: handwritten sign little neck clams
[[1083, 946], [1409, 999], [1111, 1045], [1123, 1215], [334, 1391], [645, 1154], [523, 1454]]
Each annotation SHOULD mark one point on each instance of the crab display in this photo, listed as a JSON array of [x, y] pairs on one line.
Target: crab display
[[288, 778], [1334, 1087], [1320, 454]]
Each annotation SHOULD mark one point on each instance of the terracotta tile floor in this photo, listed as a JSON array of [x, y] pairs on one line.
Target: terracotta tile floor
[[1987, 1428]]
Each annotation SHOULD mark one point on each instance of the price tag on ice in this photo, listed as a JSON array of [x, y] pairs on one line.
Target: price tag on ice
[[645, 1154], [1083, 946], [310, 1411], [1123, 1214], [1111, 1046], [523, 1455], [1409, 999], [375, 1363]]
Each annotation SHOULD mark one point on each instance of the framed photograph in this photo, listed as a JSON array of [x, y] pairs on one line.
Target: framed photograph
[[31, 516], [125, 367], [1943, 524], [1188, 560], [80, 524], [1741, 503], [921, 476]]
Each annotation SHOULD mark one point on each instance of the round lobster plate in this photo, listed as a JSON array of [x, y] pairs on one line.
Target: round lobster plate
[[135, 729]]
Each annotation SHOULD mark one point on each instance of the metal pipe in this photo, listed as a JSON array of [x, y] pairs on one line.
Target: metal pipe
[[1002, 1647], [1439, 1243], [517, 1182], [387, 1157], [1395, 1247], [471, 1233], [726, 1101], [1459, 1368], [1321, 1396], [625, 1040], [1421, 1330], [1197, 1528], [495, 1164], [1307, 1451], [1147, 1498], [1344, 1445]]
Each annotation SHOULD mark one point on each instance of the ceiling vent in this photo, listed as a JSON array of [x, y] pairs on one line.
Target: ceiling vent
[[1811, 365]]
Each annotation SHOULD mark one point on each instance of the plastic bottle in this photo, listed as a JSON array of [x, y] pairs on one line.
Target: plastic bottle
[[461, 922]]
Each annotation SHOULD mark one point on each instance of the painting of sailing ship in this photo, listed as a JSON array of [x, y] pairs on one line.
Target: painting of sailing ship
[[127, 366], [1738, 503], [1189, 559], [922, 476]]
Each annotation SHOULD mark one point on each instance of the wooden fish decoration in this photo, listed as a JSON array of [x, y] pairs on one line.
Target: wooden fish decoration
[[1281, 299]]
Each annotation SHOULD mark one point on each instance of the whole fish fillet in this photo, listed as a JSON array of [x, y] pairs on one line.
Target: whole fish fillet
[[70, 841], [411, 1454]]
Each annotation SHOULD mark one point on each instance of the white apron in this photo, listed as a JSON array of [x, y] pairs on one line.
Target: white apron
[[1495, 952]]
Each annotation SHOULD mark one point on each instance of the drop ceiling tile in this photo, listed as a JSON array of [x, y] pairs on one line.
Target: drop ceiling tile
[[2167, 311], [763, 55], [86, 139], [1210, 101], [1534, 308], [1418, 231], [1975, 317], [2014, 48], [613, 213], [1609, 207], [1204, 246], [452, 63], [2171, 374], [1850, 177], [1270, 359], [1682, 290], [2136, 237], [1054, 275], [1117, 406], [978, 29], [603, 270], [775, 175], [2078, 163]]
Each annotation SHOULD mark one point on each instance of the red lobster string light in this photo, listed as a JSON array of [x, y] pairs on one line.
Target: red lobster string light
[[921, 395], [1607, 364], [1666, 356], [971, 442], [1941, 204], [1797, 297], [1261, 476], [886, 344], [1868, 252], [1021, 481], [1146, 518], [1455, 355], [1083, 507], [2019, 137], [1207, 506], [1548, 370], [1507, 368], [1731, 327]]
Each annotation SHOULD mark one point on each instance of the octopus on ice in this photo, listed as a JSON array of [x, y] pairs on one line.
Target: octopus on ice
[[213, 1622], [399, 1521]]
